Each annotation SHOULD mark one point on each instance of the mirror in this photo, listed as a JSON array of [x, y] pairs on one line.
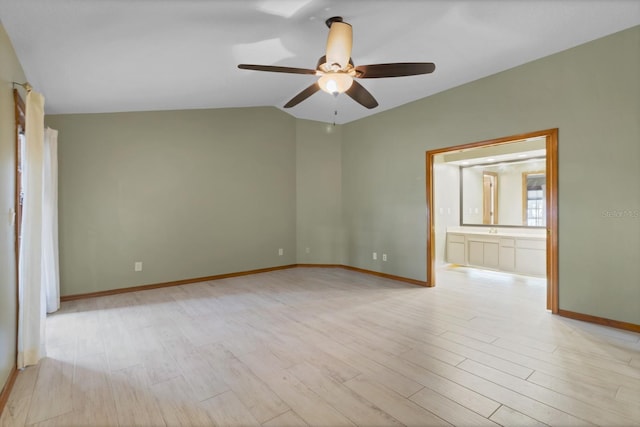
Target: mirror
[[502, 185], [505, 194]]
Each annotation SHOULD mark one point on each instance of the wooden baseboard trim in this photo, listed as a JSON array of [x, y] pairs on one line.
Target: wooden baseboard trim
[[6, 390], [229, 275], [319, 265], [362, 270], [600, 320], [385, 275], [169, 284], [565, 313]]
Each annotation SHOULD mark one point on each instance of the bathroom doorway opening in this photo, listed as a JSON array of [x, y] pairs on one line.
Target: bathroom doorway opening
[[548, 140]]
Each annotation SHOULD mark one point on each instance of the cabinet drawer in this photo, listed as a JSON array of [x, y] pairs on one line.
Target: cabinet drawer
[[507, 243], [531, 244], [455, 238]]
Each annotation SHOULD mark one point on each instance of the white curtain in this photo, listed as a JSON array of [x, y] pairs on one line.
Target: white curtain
[[50, 273], [38, 249]]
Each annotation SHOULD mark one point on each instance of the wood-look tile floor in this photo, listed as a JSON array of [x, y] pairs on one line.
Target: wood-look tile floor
[[329, 347]]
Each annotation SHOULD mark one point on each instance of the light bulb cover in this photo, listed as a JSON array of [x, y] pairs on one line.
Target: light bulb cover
[[335, 83]]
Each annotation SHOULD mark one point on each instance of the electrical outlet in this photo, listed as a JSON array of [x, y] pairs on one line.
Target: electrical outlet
[[384, 257], [280, 252], [137, 266], [375, 256], [308, 250]]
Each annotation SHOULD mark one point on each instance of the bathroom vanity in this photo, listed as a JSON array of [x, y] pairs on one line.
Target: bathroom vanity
[[513, 251]]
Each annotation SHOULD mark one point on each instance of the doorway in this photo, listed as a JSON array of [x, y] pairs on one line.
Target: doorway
[[550, 205]]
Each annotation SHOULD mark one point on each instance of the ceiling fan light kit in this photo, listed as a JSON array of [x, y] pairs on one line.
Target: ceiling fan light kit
[[337, 72], [335, 83]]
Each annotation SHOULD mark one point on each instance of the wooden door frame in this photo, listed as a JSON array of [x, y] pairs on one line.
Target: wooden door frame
[[19, 119], [493, 211], [551, 138]]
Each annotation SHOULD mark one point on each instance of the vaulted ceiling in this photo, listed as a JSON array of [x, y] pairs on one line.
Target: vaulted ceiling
[[130, 55]]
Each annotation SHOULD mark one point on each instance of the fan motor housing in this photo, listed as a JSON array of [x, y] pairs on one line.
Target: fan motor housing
[[333, 19]]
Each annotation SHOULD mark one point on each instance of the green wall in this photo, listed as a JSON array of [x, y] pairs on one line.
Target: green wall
[[320, 233], [188, 193], [194, 193], [10, 71], [591, 93]]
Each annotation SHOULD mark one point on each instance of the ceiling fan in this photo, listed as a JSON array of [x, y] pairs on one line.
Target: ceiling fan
[[337, 71]]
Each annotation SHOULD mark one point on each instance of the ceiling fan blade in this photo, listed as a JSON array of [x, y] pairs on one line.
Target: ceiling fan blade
[[361, 95], [276, 69], [302, 95], [397, 69]]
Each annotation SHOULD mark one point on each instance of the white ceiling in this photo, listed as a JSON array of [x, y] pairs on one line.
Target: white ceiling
[[130, 55]]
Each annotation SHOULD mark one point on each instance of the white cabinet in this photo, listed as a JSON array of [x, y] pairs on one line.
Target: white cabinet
[[455, 248], [512, 253], [507, 256], [491, 255], [531, 257], [476, 253], [483, 253]]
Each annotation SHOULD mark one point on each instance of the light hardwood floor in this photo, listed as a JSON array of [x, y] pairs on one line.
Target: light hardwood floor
[[329, 347]]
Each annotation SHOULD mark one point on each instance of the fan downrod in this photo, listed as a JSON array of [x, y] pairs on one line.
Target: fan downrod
[[333, 19]]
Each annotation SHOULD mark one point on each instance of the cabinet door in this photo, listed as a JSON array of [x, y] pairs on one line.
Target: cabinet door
[[507, 258], [476, 253], [531, 261], [455, 253], [491, 255], [531, 257]]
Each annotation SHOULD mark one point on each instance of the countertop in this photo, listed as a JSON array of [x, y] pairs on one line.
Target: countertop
[[500, 233]]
